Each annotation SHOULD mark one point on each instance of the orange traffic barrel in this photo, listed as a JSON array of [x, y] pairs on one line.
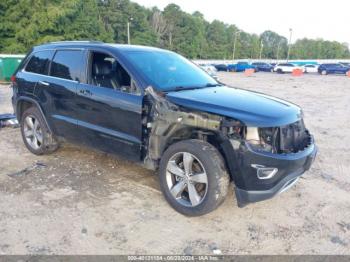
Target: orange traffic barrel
[[297, 72], [249, 72]]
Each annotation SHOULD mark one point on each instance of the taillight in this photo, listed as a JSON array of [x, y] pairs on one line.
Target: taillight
[[13, 79]]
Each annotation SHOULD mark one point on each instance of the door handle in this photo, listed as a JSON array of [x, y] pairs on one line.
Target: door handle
[[44, 83]]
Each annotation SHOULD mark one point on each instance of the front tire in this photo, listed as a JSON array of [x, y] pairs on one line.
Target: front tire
[[35, 133], [193, 177], [324, 72]]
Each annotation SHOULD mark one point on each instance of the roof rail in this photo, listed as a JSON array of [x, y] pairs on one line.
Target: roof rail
[[78, 41]]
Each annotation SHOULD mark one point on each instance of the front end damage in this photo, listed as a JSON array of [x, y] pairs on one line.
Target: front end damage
[[166, 123], [262, 162], [270, 161]]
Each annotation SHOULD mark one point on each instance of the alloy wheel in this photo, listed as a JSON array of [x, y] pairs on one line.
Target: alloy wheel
[[33, 132], [187, 179]]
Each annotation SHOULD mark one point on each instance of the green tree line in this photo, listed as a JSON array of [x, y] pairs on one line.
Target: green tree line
[[24, 23]]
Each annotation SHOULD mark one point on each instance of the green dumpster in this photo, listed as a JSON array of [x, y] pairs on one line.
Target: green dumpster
[[8, 65]]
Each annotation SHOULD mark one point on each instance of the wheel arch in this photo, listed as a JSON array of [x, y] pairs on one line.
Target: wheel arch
[[24, 103], [214, 138], [218, 141]]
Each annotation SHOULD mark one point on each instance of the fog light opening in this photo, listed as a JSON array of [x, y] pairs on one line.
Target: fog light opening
[[263, 172]]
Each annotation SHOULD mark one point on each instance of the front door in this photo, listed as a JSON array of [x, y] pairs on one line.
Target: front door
[[109, 107]]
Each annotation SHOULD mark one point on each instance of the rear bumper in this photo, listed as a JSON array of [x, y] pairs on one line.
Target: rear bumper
[[249, 188]]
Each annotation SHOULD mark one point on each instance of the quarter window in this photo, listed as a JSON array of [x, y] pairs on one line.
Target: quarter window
[[39, 62], [67, 64]]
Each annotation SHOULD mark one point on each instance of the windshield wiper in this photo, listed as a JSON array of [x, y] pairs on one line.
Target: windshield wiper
[[179, 88], [212, 85]]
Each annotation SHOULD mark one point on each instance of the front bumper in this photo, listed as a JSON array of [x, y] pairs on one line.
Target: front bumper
[[249, 188]]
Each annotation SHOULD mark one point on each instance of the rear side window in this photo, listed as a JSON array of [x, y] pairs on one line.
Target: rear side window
[[67, 64], [39, 62]]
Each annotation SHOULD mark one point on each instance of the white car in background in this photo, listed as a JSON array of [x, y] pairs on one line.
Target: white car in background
[[310, 68], [211, 70], [286, 68]]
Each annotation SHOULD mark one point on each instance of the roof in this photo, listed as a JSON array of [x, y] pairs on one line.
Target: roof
[[86, 44]]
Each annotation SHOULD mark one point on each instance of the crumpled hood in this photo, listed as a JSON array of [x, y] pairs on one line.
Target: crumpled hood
[[251, 108]]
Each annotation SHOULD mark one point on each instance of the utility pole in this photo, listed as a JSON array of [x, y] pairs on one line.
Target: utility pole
[[261, 49], [290, 42], [234, 44], [128, 29]]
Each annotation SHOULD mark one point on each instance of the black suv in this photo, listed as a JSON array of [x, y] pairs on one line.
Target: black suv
[[159, 109]]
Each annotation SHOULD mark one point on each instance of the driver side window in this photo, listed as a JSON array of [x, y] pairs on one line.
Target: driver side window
[[105, 71]]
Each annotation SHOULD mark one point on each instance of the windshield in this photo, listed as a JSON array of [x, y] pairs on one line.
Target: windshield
[[168, 71]]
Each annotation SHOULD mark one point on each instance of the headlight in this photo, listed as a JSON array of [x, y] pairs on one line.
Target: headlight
[[290, 138], [262, 138]]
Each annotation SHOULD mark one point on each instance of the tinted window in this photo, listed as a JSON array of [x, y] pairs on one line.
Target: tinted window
[[39, 62], [67, 64]]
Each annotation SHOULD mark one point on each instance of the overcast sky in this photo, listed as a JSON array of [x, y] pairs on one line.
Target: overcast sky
[[329, 20]]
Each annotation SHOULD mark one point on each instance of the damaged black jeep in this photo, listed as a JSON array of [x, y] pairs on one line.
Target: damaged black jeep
[[157, 108]]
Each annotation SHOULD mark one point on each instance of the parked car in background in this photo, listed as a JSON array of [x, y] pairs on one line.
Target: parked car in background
[[345, 64], [310, 68], [261, 66], [241, 67], [221, 67], [286, 68], [156, 108], [333, 68], [211, 70]]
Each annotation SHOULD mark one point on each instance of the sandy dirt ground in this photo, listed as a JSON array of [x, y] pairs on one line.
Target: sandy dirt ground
[[78, 201]]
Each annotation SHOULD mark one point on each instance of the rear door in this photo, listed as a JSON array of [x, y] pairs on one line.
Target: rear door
[[110, 107], [60, 91], [333, 68], [290, 68]]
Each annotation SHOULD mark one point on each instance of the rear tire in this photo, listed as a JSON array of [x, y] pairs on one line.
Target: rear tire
[[35, 133], [193, 165], [279, 71]]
